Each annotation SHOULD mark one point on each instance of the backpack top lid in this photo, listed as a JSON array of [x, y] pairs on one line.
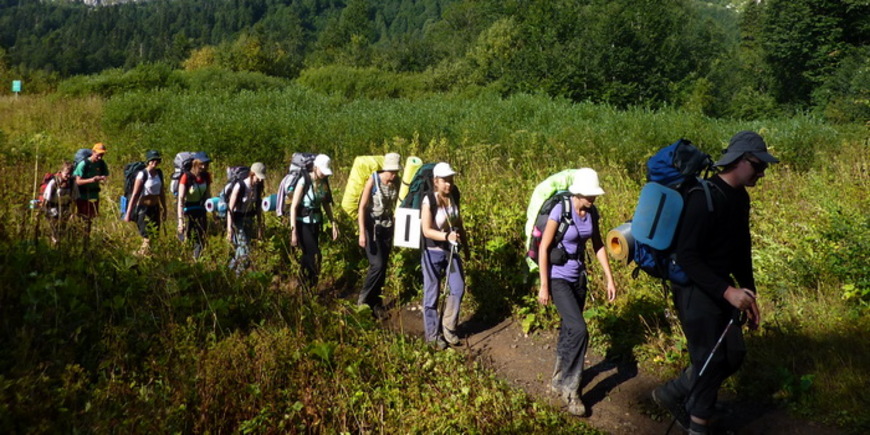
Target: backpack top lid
[[677, 162], [302, 161], [183, 161], [81, 155], [422, 185], [543, 191]]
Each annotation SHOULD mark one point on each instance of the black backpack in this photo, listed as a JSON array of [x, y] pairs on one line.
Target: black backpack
[[131, 170], [422, 186], [563, 197]]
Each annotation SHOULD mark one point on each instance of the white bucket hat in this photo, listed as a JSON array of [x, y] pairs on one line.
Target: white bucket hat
[[322, 162], [442, 170], [259, 170], [586, 183], [392, 162]]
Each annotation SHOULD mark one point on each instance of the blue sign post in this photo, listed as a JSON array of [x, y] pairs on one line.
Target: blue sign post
[[16, 86]]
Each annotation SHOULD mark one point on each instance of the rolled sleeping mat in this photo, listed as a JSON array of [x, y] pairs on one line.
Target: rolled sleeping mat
[[411, 166], [214, 204], [269, 203], [620, 243], [363, 166]]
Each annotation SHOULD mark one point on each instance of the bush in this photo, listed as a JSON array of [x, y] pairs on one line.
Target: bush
[[355, 83]]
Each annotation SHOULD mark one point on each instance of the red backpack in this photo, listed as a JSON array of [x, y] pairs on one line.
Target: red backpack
[[45, 180]]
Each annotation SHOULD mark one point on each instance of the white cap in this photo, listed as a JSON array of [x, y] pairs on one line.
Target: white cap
[[586, 183], [442, 170], [322, 162]]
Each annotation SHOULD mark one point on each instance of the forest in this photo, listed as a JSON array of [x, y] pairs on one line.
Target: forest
[[721, 58], [98, 338]]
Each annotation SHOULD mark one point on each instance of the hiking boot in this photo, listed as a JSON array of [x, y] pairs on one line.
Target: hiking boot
[[673, 405], [576, 407], [452, 338], [380, 313], [439, 344], [698, 429]]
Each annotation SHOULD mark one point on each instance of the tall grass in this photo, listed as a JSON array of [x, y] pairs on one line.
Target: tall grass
[[810, 231]]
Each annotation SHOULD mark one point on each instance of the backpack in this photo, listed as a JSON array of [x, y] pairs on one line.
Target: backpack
[[81, 155], [545, 196], [408, 232], [672, 173], [362, 169], [182, 164], [235, 174], [301, 164], [131, 170], [45, 180], [422, 186], [534, 242]]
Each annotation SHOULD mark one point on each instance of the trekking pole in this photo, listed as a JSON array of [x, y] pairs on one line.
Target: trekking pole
[[445, 288], [703, 369]]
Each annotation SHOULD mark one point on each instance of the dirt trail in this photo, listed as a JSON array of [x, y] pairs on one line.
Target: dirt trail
[[616, 395]]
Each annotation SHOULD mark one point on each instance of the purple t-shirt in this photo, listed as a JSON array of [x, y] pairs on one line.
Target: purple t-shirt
[[573, 241]]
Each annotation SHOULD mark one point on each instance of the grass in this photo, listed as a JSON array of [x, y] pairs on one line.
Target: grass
[[195, 349]]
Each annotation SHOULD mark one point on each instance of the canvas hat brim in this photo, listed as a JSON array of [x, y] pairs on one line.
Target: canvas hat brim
[[732, 156]]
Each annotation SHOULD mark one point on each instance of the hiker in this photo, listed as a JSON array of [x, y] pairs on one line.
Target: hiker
[[147, 202], [714, 249], [194, 188], [443, 235], [242, 208], [311, 198], [375, 221], [58, 199], [89, 173], [565, 283]]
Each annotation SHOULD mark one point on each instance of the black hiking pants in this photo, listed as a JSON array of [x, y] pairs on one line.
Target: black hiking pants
[[307, 237], [703, 320], [379, 240]]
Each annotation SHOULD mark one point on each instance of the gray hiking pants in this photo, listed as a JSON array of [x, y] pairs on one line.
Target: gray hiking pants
[[570, 299]]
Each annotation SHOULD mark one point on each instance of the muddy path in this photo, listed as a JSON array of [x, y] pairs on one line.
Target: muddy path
[[616, 394]]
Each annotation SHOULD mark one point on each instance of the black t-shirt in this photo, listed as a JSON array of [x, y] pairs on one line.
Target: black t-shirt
[[715, 248]]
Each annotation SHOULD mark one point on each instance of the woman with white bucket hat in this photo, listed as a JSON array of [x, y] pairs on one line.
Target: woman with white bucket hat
[[565, 284], [375, 221]]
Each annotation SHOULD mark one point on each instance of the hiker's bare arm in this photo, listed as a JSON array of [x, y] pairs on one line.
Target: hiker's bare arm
[[182, 194], [544, 261], [134, 197], [234, 197], [297, 199], [361, 211]]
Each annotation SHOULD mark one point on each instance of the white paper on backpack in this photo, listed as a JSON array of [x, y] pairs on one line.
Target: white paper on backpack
[[407, 228]]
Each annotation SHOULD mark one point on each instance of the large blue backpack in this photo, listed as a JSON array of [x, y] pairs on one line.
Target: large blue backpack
[[672, 173]]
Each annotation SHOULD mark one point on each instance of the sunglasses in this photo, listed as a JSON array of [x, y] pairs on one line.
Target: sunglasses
[[757, 166]]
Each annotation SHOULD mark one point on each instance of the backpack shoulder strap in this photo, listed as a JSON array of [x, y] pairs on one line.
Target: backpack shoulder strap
[[704, 185], [376, 183]]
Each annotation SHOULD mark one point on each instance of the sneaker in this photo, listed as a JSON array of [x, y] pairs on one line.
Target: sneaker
[[673, 405], [576, 407]]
